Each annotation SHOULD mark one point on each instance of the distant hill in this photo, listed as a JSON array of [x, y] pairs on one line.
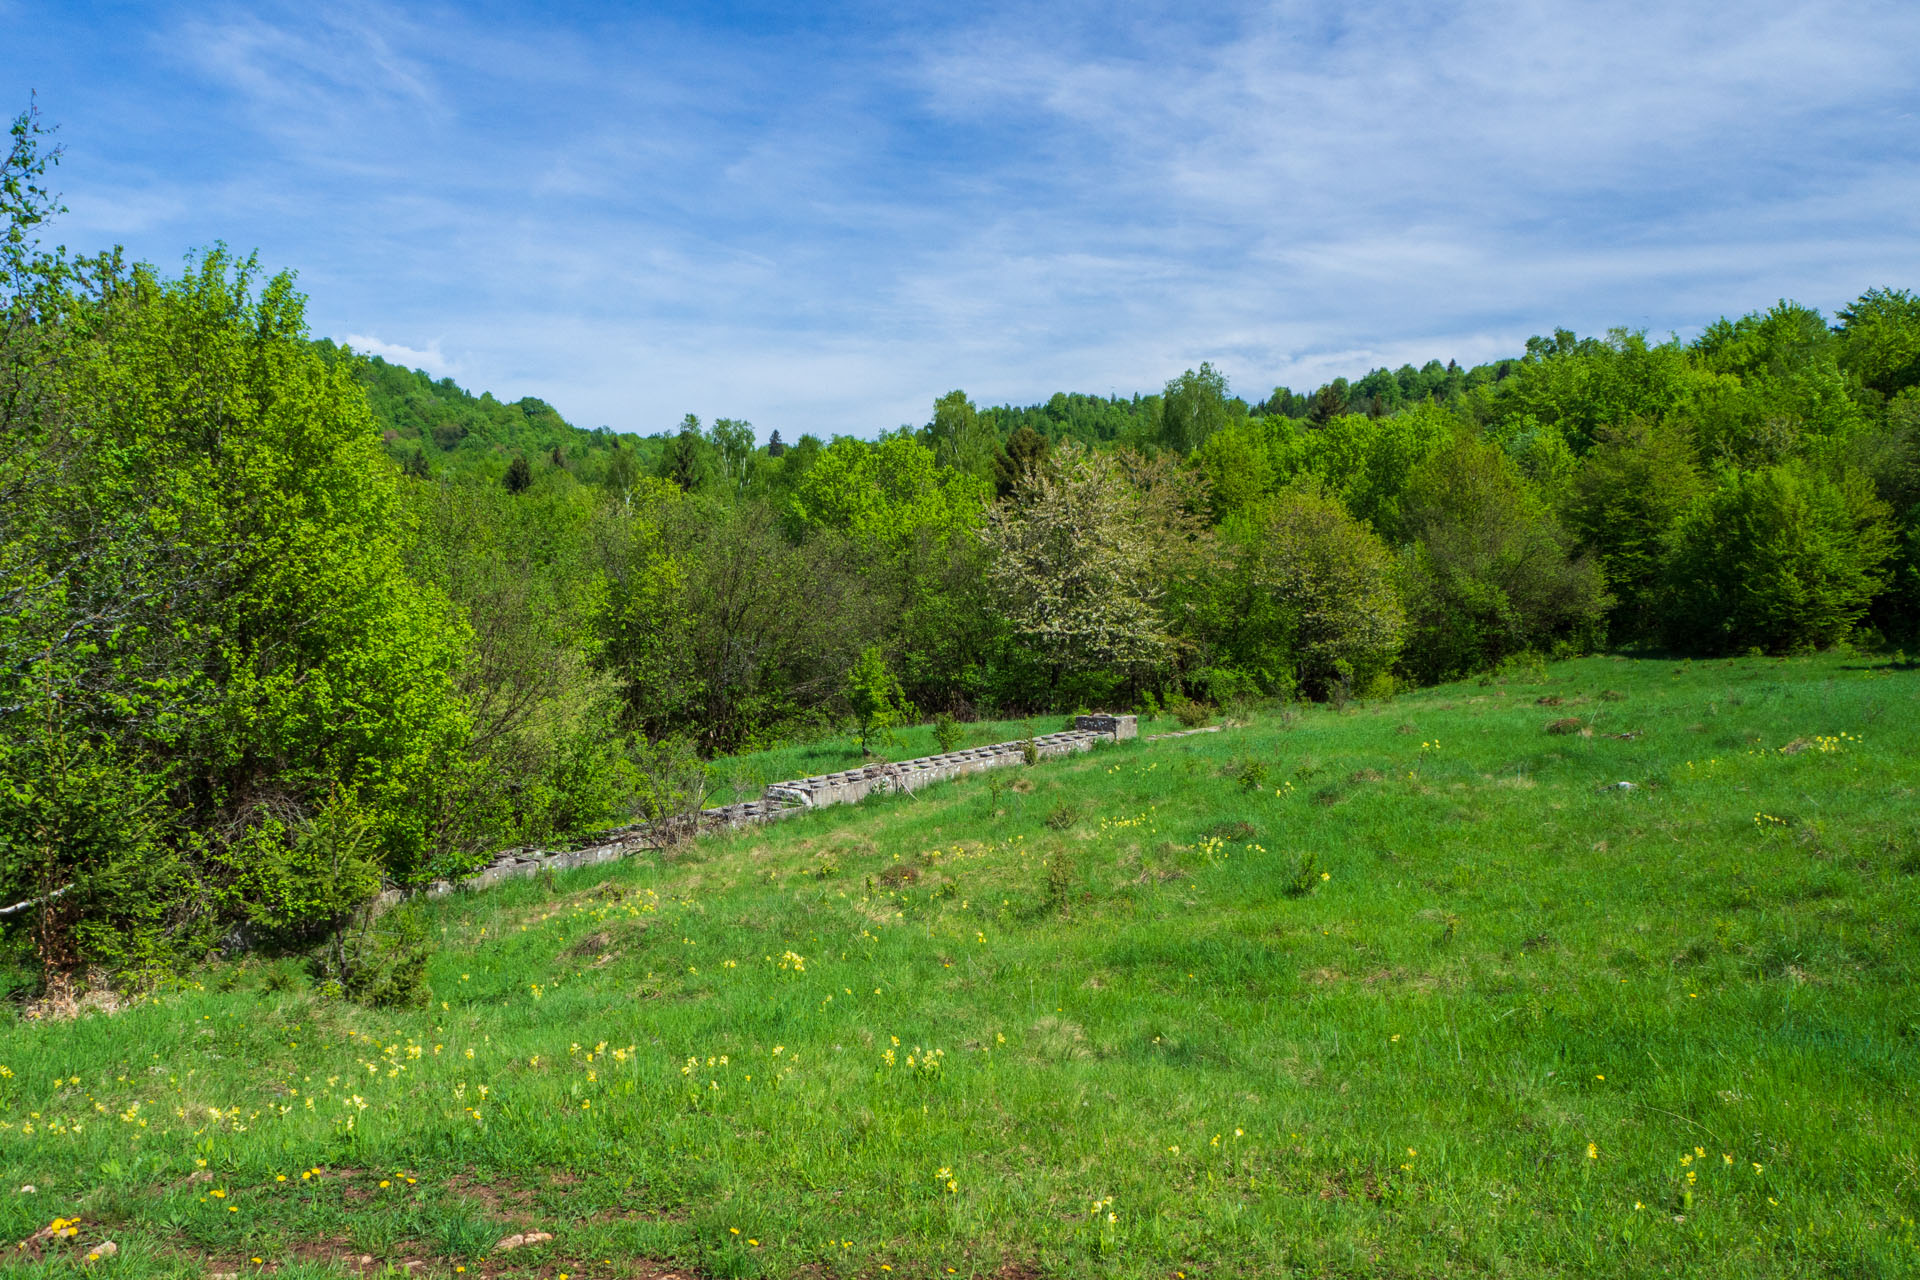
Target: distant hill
[[436, 424]]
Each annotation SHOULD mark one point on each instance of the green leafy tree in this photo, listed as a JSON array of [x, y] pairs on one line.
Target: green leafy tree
[[1578, 385], [1238, 464], [890, 497], [1304, 598], [239, 639], [1775, 392], [960, 438], [1486, 571], [733, 442], [1193, 407], [1623, 504], [874, 696], [1782, 559], [1879, 339]]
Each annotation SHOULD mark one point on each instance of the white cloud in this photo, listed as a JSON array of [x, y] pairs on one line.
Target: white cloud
[[430, 358]]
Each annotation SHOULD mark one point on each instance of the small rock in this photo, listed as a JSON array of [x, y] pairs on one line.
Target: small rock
[[105, 1249], [27, 1190], [525, 1237]]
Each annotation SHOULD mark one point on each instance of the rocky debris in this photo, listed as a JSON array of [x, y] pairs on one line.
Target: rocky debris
[[522, 1238]]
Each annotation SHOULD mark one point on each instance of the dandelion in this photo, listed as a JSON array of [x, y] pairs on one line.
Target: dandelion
[[1593, 1152]]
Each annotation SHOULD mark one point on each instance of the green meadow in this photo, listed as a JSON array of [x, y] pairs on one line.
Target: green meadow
[[1402, 988]]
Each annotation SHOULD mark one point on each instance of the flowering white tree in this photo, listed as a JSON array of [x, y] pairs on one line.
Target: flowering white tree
[[1078, 562]]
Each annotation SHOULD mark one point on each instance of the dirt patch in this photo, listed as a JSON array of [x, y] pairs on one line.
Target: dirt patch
[[1569, 724], [1366, 775], [1019, 1271], [500, 1200], [895, 876]]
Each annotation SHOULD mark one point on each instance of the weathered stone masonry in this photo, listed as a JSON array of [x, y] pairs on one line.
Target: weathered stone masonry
[[786, 799]]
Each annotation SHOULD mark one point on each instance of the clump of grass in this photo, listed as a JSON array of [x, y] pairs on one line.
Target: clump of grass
[[1304, 876], [1063, 815], [1190, 712]]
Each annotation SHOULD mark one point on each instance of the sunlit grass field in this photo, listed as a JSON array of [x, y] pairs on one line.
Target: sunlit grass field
[[1400, 989]]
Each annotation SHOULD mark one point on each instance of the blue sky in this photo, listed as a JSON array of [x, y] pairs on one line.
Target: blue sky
[[819, 220]]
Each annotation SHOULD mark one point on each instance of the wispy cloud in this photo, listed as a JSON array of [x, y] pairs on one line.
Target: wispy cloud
[[822, 219], [430, 358]]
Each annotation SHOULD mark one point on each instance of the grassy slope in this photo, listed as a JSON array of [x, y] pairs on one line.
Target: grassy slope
[[1400, 1073]]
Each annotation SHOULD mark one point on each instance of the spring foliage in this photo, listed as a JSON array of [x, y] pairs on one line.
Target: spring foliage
[[282, 627]]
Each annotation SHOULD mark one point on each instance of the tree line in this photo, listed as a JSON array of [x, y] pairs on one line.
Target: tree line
[[281, 626]]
